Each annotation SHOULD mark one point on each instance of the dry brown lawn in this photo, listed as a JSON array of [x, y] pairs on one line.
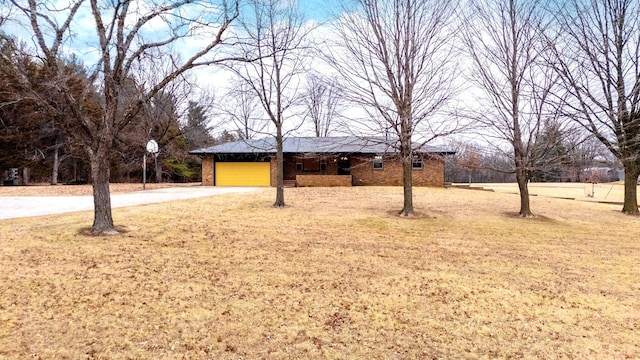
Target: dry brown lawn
[[599, 192], [334, 275]]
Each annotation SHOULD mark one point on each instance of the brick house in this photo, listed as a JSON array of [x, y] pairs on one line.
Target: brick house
[[317, 161]]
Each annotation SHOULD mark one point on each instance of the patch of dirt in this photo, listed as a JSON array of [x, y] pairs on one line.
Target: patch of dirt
[[86, 231], [415, 216], [535, 217]]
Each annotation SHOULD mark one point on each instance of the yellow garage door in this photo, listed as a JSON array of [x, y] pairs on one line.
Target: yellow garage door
[[243, 174]]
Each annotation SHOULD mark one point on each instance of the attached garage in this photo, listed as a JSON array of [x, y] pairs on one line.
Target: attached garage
[[242, 174]]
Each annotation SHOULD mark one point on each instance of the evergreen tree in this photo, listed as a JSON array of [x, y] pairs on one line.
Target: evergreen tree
[[197, 131]]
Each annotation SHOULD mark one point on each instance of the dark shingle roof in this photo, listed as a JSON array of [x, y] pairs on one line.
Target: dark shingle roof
[[331, 145]]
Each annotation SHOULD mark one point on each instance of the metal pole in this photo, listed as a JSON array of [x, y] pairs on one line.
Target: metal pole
[[155, 169], [144, 171]]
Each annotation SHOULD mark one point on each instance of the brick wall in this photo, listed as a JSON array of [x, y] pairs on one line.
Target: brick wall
[[432, 174], [323, 180], [391, 175], [207, 170]]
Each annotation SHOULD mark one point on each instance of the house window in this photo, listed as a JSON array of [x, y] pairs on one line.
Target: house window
[[311, 164], [323, 166], [417, 163], [299, 165], [377, 163]]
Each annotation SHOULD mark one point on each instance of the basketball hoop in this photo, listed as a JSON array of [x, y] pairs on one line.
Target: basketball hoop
[[152, 147]]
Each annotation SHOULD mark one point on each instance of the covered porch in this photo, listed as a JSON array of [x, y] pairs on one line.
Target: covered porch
[[315, 170]]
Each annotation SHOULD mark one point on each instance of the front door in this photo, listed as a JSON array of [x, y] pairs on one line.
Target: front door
[[344, 165]]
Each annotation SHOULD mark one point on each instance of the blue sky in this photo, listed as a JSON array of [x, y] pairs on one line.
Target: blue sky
[[319, 9]]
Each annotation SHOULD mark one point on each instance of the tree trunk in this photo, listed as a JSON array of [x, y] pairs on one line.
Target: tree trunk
[[407, 184], [25, 176], [56, 165], [279, 169], [523, 186], [102, 219], [407, 179], [631, 172]]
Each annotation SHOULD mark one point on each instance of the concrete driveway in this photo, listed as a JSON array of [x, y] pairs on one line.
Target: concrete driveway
[[26, 206]]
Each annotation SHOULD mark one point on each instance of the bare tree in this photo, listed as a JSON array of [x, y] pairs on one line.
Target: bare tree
[[487, 163], [596, 54], [275, 36], [504, 41], [396, 61], [470, 162], [585, 154], [242, 107], [130, 39], [324, 102], [6, 13]]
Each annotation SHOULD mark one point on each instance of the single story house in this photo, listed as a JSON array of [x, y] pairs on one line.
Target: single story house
[[318, 161]]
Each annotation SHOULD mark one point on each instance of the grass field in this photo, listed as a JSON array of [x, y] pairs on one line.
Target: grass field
[[599, 192], [333, 275]]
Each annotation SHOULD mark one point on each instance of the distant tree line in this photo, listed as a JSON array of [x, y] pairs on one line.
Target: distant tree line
[[586, 162], [35, 127]]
